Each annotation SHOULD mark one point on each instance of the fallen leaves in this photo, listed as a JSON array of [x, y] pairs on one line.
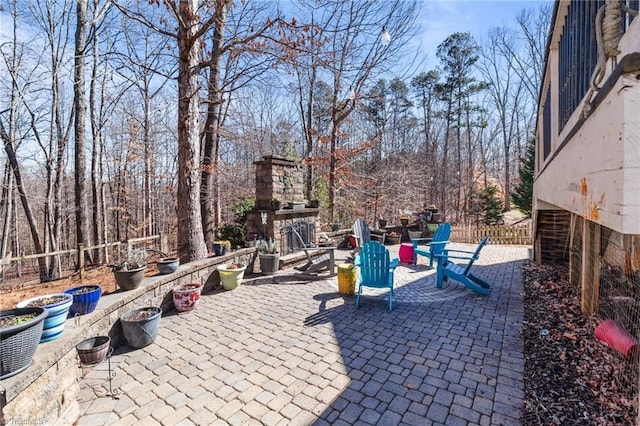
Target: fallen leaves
[[570, 377]]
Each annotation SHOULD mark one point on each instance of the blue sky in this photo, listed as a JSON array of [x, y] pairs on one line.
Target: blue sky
[[441, 18]]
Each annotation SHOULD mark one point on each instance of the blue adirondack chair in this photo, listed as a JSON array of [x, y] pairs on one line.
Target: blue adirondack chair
[[436, 244], [376, 269], [461, 273]]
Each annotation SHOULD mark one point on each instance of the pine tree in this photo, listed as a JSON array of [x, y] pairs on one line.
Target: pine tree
[[523, 193], [492, 205]]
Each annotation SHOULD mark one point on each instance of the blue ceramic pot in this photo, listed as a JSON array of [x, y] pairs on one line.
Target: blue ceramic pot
[[219, 250], [57, 313], [85, 299], [167, 265]]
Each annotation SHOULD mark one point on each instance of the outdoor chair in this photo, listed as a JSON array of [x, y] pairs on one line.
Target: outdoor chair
[[436, 244], [376, 269], [325, 261], [461, 273], [362, 234]]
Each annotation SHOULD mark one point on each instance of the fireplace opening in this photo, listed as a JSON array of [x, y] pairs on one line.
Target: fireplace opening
[[291, 243]]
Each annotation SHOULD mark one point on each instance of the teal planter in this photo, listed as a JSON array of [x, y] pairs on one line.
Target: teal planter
[[57, 313]]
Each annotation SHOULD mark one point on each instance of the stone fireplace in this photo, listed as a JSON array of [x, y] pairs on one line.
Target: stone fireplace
[[281, 206]]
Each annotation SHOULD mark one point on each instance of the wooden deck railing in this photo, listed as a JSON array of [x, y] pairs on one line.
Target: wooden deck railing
[[516, 234]]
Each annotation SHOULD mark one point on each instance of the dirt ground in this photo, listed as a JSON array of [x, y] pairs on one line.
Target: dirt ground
[[13, 292]]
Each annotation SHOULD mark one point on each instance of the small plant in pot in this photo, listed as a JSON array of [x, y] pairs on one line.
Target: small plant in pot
[[231, 275], [20, 332], [129, 272], [93, 350], [85, 299], [57, 306], [186, 296], [269, 254], [251, 239], [221, 247], [140, 326]]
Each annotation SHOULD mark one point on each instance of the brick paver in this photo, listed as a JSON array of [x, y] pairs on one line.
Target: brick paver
[[285, 350]]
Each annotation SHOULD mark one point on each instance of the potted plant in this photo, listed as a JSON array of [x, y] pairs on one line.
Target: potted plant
[[414, 234], [296, 205], [269, 254], [57, 306], [85, 299], [20, 332], [186, 296], [231, 275], [393, 238], [251, 239], [129, 272], [167, 265], [221, 247], [93, 350], [404, 220], [140, 326]]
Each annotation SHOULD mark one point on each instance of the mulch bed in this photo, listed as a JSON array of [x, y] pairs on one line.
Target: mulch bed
[[570, 377]]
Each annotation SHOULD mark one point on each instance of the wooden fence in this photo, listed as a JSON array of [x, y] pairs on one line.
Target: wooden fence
[[15, 267], [514, 235]]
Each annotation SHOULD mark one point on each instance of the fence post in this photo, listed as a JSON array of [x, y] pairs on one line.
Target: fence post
[[81, 260]]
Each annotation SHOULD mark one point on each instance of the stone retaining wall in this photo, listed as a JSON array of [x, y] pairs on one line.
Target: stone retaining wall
[[46, 393]]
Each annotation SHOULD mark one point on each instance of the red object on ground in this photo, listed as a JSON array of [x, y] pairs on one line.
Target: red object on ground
[[406, 253], [616, 337]]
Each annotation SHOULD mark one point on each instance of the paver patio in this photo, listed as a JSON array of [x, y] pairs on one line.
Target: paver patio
[[281, 350]]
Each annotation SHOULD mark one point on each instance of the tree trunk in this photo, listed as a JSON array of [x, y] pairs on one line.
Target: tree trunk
[[80, 190], [31, 219], [6, 209], [148, 167], [96, 133], [210, 159], [191, 244]]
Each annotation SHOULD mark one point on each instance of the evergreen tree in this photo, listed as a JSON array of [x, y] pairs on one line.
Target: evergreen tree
[[492, 205], [486, 206], [523, 193]]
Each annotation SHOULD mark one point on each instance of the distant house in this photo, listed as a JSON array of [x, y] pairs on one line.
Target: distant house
[[587, 177]]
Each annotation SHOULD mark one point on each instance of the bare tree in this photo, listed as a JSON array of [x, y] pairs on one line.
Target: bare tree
[[234, 60], [53, 20], [10, 138], [352, 53], [80, 107]]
